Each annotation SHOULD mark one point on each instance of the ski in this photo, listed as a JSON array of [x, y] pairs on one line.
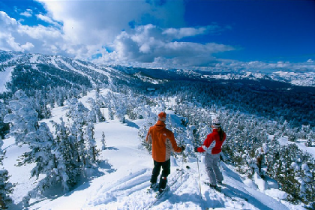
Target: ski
[[170, 184], [220, 190], [150, 190], [153, 189], [217, 188], [160, 194]]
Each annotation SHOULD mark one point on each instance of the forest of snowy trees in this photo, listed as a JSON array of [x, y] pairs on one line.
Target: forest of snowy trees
[[254, 120], [252, 134]]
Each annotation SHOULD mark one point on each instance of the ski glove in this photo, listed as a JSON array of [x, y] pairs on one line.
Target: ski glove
[[196, 149], [183, 148]]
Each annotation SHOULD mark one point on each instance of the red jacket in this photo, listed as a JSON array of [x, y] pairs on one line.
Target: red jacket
[[163, 142], [212, 143]]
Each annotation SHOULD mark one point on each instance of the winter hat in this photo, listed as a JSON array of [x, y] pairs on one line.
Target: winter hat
[[162, 116], [216, 123]]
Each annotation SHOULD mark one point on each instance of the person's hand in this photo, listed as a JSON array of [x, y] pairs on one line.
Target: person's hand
[[196, 149], [183, 148]]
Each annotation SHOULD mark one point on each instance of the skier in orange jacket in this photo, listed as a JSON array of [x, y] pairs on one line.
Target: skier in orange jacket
[[163, 142]]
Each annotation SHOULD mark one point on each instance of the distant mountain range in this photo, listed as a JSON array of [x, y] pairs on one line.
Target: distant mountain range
[[71, 71]]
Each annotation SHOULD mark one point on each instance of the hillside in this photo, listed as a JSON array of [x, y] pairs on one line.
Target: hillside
[[72, 136], [122, 177]]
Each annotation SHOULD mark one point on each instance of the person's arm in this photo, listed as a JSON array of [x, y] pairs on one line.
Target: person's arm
[[206, 144], [149, 138], [174, 144]]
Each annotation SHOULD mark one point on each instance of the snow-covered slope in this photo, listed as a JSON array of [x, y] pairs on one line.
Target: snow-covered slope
[[122, 178], [59, 68], [5, 77]]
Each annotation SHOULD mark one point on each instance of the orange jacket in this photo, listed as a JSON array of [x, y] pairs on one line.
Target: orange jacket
[[162, 141]]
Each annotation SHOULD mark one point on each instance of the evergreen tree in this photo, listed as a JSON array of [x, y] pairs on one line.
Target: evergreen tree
[[92, 116], [110, 113], [48, 161], [92, 152], [6, 188], [120, 107], [103, 141], [96, 110], [23, 118], [80, 144], [4, 127], [66, 151]]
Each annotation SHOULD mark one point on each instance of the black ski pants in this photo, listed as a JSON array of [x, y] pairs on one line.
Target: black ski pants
[[166, 170]]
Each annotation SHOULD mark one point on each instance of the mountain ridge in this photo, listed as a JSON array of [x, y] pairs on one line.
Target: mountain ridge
[[98, 74]]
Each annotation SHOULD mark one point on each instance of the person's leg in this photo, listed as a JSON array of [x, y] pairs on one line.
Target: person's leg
[[216, 169], [155, 172], [209, 168], [166, 166]]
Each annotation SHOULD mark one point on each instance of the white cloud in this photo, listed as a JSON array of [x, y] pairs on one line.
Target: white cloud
[[5, 20], [46, 19], [94, 22], [40, 32], [18, 37], [263, 67], [184, 32], [86, 28], [7, 42], [90, 25], [27, 13], [179, 33], [150, 44], [27, 46]]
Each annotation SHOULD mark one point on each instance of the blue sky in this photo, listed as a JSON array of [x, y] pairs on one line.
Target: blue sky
[[263, 30], [164, 33]]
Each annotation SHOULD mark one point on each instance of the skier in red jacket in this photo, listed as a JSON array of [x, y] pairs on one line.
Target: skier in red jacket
[[212, 146]]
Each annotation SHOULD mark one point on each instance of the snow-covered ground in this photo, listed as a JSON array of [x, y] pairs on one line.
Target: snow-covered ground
[[5, 76], [123, 175]]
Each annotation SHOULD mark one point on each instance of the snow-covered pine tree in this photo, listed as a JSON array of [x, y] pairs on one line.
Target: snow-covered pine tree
[[120, 108], [310, 139], [80, 144], [133, 102], [6, 188], [66, 153], [306, 190], [142, 133], [4, 127], [48, 162], [204, 130], [78, 113], [103, 141], [110, 113], [92, 116], [92, 152], [60, 97], [96, 108], [40, 103], [23, 118]]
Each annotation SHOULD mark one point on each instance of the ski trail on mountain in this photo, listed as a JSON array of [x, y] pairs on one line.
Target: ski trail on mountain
[[73, 69], [123, 187]]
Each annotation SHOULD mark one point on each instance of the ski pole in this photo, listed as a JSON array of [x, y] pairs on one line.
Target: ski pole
[[181, 167], [199, 176], [181, 174], [194, 142]]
